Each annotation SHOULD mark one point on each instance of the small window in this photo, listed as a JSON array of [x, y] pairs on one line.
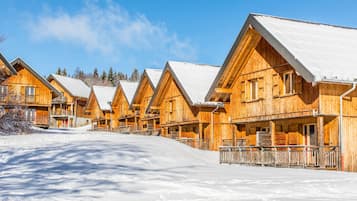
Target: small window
[[30, 115], [253, 89], [288, 83], [171, 109], [3, 92], [30, 94]]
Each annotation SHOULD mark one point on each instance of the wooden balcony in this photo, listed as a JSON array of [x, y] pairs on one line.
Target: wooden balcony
[[282, 156], [195, 143], [61, 113]]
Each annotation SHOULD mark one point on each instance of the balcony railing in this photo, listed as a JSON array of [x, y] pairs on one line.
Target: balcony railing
[[195, 142], [283, 156], [61, 113]]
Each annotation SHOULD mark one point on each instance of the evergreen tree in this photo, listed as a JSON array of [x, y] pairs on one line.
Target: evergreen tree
[[135, 75], [95, 73], [103, 76], [59, 71], [64, 72], [111, 75]]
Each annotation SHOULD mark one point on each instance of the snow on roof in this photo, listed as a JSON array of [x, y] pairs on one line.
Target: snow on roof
[[195, 79], [128, 88], [104, 95], [75, 87], [154, 75], [327, 52]]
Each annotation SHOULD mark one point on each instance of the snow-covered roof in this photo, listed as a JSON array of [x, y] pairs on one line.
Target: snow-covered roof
[[128, 88], [194, 79], [104, 95], [327, 52], [153, 75], [75, 87]]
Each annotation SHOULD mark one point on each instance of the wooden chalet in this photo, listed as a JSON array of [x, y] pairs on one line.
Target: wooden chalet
[[179, 98], [125, 119], [148, 123], [99, 107], [68, 110], [290, 86], [28, 90]]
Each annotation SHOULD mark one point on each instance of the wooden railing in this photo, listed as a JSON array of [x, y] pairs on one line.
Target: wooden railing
[[283, 156], [195, 142]]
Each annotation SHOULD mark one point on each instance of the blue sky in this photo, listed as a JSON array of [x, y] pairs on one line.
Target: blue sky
[[126, 33]]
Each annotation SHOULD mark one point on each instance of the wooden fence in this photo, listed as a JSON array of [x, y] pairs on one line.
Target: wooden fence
[[283, 156]]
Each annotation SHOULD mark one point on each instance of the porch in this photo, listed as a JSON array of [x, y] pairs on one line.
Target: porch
[[302, 156]]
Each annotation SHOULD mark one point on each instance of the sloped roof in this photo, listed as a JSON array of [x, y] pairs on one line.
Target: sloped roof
[[193, 80], [75, 87], [318, 52], [19, 61], [104, 94], [327, 52], [153, 75], [7, 64], [128, 88]]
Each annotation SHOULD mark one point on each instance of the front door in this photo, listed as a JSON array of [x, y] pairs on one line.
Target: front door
[[310, 134]]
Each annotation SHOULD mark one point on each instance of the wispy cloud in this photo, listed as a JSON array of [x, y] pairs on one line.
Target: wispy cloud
[[111, 30]]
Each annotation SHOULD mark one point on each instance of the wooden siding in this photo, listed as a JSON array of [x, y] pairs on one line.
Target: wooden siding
[[121, 108], [16, 95], [100, 119]]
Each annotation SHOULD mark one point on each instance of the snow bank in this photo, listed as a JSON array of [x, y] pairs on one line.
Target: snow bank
[[108, 166]]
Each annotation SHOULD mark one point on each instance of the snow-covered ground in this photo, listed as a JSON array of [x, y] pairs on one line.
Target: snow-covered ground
[[83, 165]]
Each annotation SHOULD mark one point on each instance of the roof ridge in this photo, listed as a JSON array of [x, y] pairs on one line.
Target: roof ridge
[[303, 21]]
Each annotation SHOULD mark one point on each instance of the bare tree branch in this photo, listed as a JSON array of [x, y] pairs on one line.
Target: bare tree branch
[[2, 38]]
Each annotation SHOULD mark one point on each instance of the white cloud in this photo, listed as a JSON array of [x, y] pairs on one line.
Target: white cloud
[[110, 29]]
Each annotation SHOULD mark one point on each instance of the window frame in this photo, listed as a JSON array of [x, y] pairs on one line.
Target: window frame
[[256, 95], [290, 78]]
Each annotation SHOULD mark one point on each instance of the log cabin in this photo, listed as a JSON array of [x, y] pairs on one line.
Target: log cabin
[[125, 119], [68, 110], [29, 91], [290, 86], [99, 107], [148, 123], [179, 97]]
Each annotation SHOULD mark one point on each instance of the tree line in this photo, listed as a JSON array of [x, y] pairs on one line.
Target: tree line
[[107, 78]]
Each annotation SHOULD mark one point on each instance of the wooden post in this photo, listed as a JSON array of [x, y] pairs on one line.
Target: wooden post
[[321, 140], [179, 132], [272, 132]]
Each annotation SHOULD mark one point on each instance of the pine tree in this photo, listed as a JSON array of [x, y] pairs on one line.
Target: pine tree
[[135, 75], [59, 71], [64, 72], [95, 73], [103, 76], [111, 75]]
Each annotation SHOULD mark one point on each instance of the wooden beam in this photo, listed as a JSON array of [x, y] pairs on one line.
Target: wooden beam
[[321, 139], [223, 90], [272, 132]]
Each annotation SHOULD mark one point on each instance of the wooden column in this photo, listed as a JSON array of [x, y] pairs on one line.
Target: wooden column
[[154, 124], [272, 132], [321, 139], [200, 131], [179, 131], [126, 122], [234, 137]]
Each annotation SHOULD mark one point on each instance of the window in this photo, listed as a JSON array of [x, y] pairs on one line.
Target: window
[[253, 89], [288, 83], [30, 94], [171, 106], [30, 115], [3, 92]]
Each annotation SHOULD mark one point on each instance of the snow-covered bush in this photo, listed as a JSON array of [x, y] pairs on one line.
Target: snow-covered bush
[[13, 122]]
